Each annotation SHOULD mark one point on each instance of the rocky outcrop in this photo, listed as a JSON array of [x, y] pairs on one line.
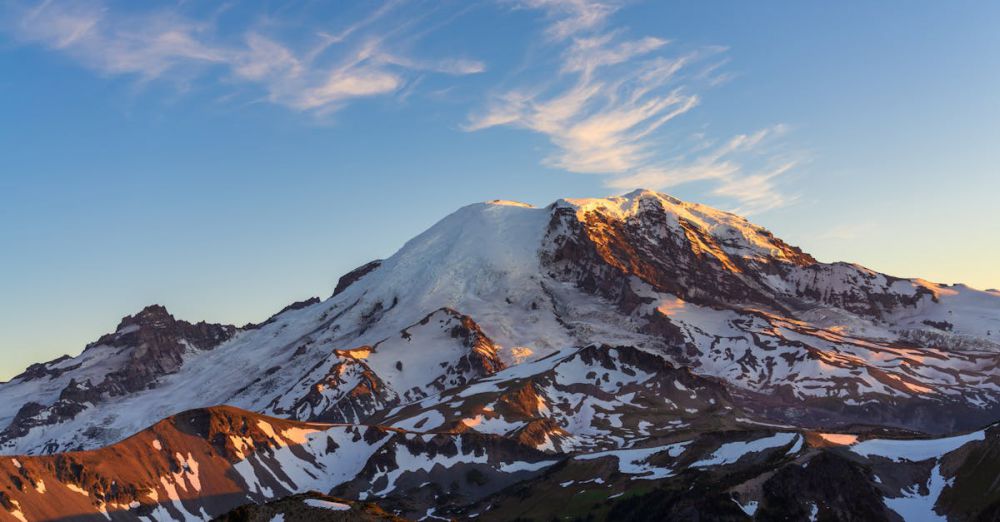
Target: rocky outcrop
[[298, 305], [707, 257], [601, 252], [353, 276], [352, 385], [481, 359], [157, 343], [144, 348], [830, 487], [348, 391]]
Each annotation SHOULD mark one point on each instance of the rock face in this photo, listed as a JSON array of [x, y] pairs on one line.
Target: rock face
[[692, 252], [443, 350], [157, 343], [144, 347], [639, 327], [353, 276], [707, 257]]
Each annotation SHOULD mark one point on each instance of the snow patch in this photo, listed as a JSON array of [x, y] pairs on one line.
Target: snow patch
[[914, 506], [749, 508], [731, 452], [914, 450], [326, 504], [634, 461]]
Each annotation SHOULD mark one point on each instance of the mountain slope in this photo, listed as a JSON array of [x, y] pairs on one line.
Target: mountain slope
[[495, 285]]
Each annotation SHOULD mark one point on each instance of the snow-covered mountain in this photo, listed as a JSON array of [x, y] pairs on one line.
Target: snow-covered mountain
[[585, 326]]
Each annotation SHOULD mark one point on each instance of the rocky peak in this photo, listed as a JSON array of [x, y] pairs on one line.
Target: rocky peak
[[482, 359], [726, 237], [152, 315], [155, 327], [145, 347], [705, 256], [600, 248], [158, 343]]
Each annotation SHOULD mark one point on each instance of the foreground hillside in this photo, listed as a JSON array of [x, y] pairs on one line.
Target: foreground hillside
[[608, 352], [238, 465]]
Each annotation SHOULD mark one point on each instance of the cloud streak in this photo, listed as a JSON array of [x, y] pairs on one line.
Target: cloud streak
[[607, 102], [605, 111], [599, 123], [755, 190], [319, 76], [571, 17]]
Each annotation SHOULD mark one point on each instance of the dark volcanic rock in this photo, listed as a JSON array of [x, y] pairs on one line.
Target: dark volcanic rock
[[353, 276], [298, 305], [151, 344], [831, 486], [158, 342]]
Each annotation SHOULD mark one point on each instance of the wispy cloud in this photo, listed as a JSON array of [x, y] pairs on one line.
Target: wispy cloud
[[754, 189], [605, 100], [613, 95], [571, 17], [148, 46], [318, 73], [600, 122]]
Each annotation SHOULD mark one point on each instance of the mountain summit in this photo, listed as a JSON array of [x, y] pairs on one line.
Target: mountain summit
[[586, 326]]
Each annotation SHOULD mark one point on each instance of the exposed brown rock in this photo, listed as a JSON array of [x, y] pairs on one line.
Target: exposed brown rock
[[353, 276]]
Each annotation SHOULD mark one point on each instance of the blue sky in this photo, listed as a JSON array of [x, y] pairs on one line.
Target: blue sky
[[225, 159]]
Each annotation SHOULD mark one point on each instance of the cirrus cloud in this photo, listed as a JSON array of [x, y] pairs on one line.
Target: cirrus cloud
[[318, 73], [605, 111]]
